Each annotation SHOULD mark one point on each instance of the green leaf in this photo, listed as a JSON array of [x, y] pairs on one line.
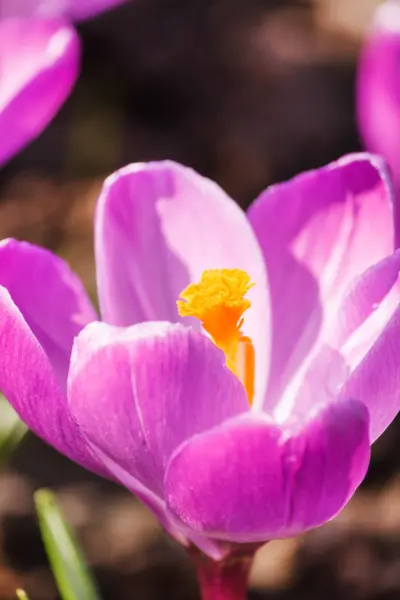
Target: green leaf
[[72, 576], [12, 430], [21, 595]]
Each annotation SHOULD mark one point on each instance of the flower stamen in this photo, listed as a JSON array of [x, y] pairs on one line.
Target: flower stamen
[[218, 301]]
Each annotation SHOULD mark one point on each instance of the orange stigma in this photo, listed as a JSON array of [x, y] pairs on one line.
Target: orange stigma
[[218, 301]]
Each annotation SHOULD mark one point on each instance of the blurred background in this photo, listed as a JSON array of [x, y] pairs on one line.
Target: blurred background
[[248, 92]]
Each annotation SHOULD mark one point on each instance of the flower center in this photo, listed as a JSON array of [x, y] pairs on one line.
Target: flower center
[[218, 301]]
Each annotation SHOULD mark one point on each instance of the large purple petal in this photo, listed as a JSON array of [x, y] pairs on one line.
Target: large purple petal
[[158, 227], [366, 296], [251, 480], [50, 297], [38, 66], [139, 392], [376, 380], [353, 329], [29, 384], [318, 232], [378, 88], [75, 10]]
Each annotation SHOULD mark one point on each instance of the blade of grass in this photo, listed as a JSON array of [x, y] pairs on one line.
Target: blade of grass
[[21, 595], [73, 578]]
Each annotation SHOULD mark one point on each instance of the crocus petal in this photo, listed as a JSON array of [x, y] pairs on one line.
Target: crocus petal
[[365, 311], [139, 392], [376, 379], [251, 480], [75, 10], [158, 227], [364, 298], [78, 10], [38, 67], [318, 232], [50, 297], [29, 384], [378, 87]]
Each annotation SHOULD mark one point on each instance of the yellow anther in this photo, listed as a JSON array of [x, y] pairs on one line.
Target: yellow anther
[[218, 301]]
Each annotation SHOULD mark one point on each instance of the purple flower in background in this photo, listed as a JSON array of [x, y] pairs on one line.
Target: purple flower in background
[[39, 63], [255, 423], [378, 89], [71, 10]]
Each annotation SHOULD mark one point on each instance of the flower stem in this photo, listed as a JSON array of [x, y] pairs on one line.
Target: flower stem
[[223, 580]]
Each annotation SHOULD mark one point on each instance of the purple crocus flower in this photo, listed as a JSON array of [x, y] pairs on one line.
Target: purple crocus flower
[[39, 63], [378, 89], [255, 425], [72, 10]]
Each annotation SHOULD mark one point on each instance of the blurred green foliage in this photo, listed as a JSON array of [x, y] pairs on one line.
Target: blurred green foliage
[[73, 578]]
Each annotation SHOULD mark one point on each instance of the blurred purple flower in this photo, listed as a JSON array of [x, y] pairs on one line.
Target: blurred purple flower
[[378, 88], [71, 10], [148, 400], [39, 63]]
